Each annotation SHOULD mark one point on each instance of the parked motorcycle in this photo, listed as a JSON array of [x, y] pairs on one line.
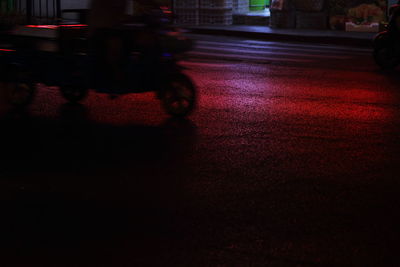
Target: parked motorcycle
[[386, 44]]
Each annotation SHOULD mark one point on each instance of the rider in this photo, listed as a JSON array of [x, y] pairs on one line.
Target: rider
[[104, 18], [109, 41], [394, 19]]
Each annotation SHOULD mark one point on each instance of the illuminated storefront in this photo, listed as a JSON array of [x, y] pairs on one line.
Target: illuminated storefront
[[356, 15], [349, 15], [320, 14]]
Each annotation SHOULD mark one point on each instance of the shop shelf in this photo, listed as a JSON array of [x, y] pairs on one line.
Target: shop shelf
[[282, 19], [186, 3], [215, 16], [186, 16], [216, 4]]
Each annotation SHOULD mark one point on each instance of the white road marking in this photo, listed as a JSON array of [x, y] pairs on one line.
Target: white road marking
[[321, 46], [278, 46], [207, 64], [246, 57], [232, 50]]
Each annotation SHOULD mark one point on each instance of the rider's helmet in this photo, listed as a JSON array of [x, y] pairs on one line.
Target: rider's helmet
[[394, 18]]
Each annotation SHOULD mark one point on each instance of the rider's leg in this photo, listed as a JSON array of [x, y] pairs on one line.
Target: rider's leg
[[114, 56]]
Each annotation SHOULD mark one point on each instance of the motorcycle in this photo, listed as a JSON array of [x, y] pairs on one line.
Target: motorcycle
[[386, 44], [60, 55]]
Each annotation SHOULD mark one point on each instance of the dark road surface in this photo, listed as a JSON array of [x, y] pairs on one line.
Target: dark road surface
[[291, 159]]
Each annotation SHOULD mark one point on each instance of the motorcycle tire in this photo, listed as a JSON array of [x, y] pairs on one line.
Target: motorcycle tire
[[385, 57], [73, 93], [20, 88], [179, 98]]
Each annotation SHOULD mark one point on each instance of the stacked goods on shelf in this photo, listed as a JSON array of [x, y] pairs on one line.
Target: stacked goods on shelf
[[186, 11], [309, 5], [310, 14], [6, 6], [219, 4], [240, 6], [337, 14], [282, 19], [186, 4], [216, 12], [311, 20], [10, 14], [282, 14], [256, 5], [354, 15]]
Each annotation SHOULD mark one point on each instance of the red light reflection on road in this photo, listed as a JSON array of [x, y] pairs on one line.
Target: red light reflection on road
[[259, 100], [354, 104], [56, 26], [7, 50]]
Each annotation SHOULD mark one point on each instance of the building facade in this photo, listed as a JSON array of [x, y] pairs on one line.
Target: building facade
[[304, 14]]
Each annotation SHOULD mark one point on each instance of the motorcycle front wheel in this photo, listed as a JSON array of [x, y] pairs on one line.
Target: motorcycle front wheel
[[74, 93], [179, 98], [21, 89], [385, 57]]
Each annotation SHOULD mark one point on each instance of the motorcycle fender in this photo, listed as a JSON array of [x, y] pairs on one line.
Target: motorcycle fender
[[175, 68], [180, 67], [166, 80], [381, 39]]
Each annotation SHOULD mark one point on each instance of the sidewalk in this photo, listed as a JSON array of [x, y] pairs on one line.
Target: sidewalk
[[294, 35]]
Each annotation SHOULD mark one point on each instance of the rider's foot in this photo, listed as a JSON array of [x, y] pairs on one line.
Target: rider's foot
[[112, 96], [117, 90]]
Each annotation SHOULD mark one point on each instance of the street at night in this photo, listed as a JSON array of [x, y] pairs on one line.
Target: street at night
[[291, 158]]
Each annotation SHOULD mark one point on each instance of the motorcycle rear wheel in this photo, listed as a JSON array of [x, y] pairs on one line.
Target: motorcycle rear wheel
[[180, 97]]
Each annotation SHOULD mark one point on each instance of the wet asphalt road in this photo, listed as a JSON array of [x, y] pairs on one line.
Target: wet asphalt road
[[291, 159]]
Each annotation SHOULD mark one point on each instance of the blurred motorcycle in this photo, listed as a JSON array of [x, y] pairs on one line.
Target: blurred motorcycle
[[386, 44], [60, 55]]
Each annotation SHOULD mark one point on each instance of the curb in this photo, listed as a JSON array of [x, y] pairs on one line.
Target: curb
[[336, 40]]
